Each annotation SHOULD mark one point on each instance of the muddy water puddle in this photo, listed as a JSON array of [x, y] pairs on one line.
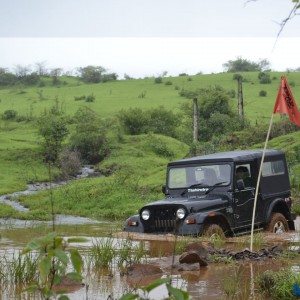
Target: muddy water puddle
[[102, 283]]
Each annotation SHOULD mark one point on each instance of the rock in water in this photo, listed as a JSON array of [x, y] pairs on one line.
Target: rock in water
[[192, 257]]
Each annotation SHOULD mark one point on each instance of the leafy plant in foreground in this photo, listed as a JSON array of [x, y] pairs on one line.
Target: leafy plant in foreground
[[53, 259]]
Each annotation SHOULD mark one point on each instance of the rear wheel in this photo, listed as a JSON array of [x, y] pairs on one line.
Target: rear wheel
[[213, 230], [277, 224]]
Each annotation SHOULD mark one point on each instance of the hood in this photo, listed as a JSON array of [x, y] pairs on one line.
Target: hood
[[203, 203]]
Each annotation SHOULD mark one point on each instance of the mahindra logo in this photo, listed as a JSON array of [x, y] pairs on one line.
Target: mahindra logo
[[198, 190]]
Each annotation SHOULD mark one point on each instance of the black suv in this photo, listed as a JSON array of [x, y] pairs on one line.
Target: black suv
[[215, 193]]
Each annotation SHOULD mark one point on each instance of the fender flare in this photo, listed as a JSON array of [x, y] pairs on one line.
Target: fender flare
[[274, 203], [212, 217]]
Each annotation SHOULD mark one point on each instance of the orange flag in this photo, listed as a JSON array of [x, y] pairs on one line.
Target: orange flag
[[285, 102]]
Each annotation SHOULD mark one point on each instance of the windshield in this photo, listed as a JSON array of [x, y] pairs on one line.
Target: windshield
[[206, 175]]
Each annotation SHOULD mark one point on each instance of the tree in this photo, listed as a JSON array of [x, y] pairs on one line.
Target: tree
[[244, 65], [40, 68], [52, 127], [22, 71], [89, 138], [91, 74], [55, 73]]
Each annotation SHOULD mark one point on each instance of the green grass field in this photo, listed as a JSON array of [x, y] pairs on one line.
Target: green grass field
[[21, 159], [114, 96]]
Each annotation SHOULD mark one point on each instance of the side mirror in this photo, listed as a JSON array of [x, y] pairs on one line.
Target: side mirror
[[164, 189], [240, 184]]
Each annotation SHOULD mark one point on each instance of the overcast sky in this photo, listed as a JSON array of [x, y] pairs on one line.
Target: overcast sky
[[143, 37]]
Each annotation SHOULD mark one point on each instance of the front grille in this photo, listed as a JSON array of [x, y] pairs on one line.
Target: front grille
[[165, 224], [162, 219]]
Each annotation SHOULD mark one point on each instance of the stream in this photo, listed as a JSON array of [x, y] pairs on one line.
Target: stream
[[12, 200]]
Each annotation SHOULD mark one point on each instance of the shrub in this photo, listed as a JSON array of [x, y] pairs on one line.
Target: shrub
[[78, 98], [237, 76], [159, 147], [90, 98], [264, 78], [89, 138], [9, 114], [279, 284], [176, 88], [262, 93], [52, 127], [292, 83], [69, 162], [189, 79], [156, 120], [231, 93], [183, 74], [158, 80], [168, 82], [142, 95]]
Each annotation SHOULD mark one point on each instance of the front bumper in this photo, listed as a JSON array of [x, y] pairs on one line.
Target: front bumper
[[134, 224]]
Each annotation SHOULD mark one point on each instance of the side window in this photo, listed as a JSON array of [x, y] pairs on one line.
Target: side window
[[244, 172], [271, 168]]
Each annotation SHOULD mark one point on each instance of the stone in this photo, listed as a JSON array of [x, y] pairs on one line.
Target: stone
[[139, 270], [192, 257]]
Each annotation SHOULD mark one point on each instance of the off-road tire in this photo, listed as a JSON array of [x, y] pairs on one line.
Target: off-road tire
[[277, 222], [212, 229]]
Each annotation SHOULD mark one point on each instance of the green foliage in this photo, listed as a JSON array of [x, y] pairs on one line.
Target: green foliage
[[91, 74], [89, 138], [244, 65], [156, 120], [168, 82], [90, 98], [264, 78], [174, 293], [52, 127], [279, 284], [231, 93], [262, 93], [53, 260], [237, 76], [102, 253], [9, 114], [158, 80], [158, 146]]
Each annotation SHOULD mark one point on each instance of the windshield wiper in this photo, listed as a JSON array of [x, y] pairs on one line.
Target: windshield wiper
[[214, 186], [191, 186]]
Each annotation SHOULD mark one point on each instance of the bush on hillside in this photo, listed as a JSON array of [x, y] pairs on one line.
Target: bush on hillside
[[264, 78], [158, 146], [262, 93], [158, 80], [156, 120], [168, 82], [52, 127], [89, 138], [9, 114]]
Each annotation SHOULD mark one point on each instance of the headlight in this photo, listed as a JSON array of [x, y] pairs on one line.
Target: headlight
[[145, 214], [180, 213]]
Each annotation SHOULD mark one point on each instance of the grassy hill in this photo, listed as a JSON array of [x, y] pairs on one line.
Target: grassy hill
[[139, 165], [116, 95]]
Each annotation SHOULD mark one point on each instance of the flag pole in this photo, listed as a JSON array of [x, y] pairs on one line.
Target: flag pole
[[258, 181]]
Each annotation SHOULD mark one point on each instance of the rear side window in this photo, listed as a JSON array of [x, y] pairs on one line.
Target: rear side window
[[271, 168]]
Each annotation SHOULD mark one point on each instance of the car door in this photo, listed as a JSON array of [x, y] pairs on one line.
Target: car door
[[244, 197]]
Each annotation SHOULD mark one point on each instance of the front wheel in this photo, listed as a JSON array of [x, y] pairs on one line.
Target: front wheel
[[213, 230], [277, 224]]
